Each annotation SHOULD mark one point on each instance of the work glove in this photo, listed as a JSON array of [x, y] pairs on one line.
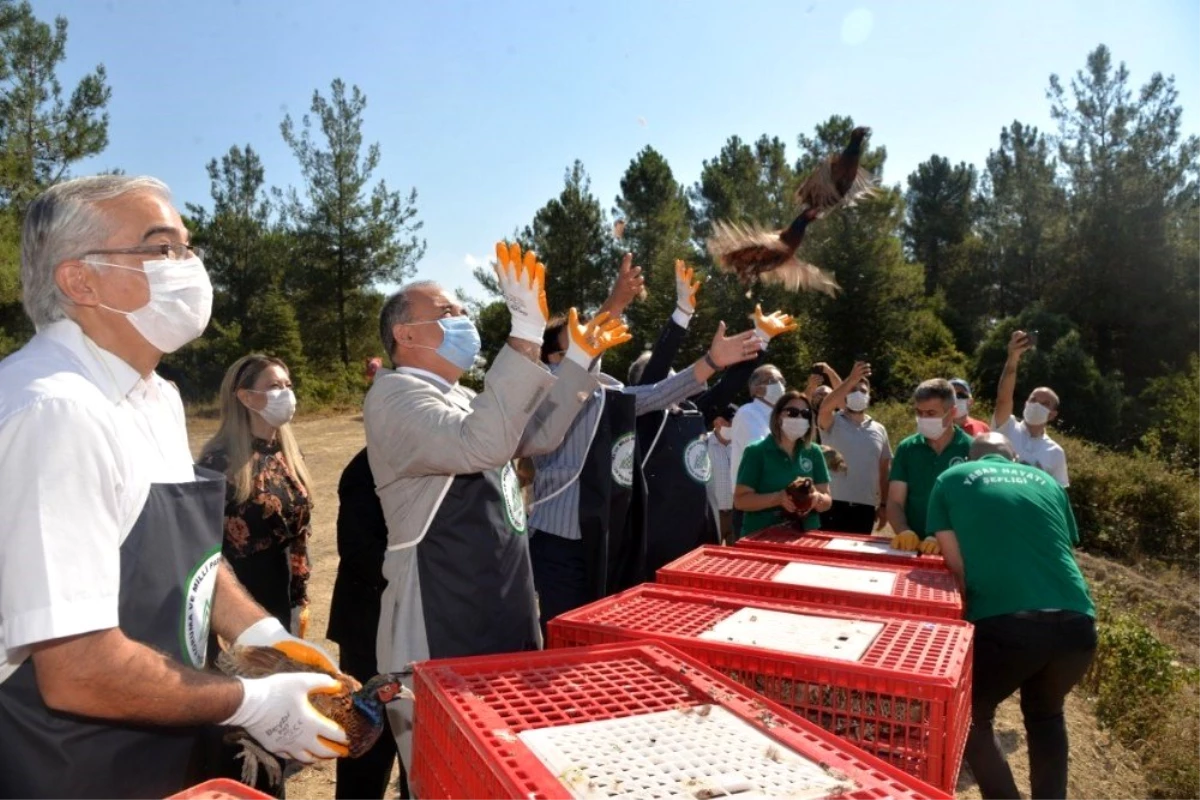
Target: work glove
[[276, 711], [588, 341], [299, 621], [522, 281], [768, 326], [930, 547], [685, 288], [907, 541], [267, 632]]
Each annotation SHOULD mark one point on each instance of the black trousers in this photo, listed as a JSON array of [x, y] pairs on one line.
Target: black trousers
[[1043, 654], [559, 575], [367, 776], [849, 517]]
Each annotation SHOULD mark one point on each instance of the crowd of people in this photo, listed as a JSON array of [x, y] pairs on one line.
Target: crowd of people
[[466, 523]]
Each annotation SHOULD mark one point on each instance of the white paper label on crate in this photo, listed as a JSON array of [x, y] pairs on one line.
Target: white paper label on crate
[[826, 637], [881, 547], [688, 753], [847, 579]]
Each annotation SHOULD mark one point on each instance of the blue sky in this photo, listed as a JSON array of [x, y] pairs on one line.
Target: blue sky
[[483, 105]]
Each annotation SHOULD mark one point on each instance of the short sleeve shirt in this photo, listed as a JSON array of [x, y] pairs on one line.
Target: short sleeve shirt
[[862, 446], [1016, 533], [918, 465], [82, 437], [766, 468], [1037, 451]]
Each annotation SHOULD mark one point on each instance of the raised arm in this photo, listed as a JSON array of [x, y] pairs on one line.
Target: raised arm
[[1018, 345], [860, 371], [724, 351], [671, 337]]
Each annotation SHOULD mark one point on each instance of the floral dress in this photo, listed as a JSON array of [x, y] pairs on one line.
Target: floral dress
[[266, 537]]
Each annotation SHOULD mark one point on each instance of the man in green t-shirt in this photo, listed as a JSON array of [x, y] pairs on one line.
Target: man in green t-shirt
[[919, 460], [1007, 532]]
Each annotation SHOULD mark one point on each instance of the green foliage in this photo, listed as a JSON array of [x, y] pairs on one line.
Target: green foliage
[[1168, 411], [351, 235], [276, 331], [927, 351], [1091, 401], [198, 368], [940, 210], [331, 385]]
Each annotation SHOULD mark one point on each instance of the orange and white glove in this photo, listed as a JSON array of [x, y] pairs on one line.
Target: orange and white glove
[[907, 541], [522, 280], [589, 341], [768, 326], [267, 632], [930, 547], [299, 621], [686, 288], [276, 711]]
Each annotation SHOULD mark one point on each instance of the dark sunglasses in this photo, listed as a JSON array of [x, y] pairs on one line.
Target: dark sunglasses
[[797, 412]]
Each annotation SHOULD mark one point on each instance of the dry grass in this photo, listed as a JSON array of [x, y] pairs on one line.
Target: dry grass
[[1100, 767]]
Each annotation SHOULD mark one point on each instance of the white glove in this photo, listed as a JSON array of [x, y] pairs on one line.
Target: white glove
[[275, 710], [267, 632], [523, 283]]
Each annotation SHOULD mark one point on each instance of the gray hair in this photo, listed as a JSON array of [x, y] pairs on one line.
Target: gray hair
[[935, 389], [61, 224], [397, 310], [638, 368], [762, 376], [992, 444]]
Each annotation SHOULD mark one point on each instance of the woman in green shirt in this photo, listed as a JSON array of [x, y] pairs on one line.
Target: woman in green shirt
[[774, 461]]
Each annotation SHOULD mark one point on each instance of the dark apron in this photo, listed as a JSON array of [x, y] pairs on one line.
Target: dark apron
[[169, 565], [677, 470], [611, 510], [473, 564]]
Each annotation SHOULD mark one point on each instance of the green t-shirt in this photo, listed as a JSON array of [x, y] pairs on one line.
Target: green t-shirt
[[1016, 534], [916, 464], [765, 468]]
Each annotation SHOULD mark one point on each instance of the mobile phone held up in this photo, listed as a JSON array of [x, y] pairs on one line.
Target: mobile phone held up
[[1032, 338]]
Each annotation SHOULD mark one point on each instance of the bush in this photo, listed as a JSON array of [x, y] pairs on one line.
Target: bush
[[1169, 417], [331, 386]]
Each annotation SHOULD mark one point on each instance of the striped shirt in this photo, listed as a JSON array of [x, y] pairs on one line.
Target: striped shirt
[[720, 488], [555, 486]]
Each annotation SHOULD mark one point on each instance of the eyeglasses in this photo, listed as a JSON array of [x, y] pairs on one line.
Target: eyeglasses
[[962, 396], [172, 252], [797, 412]]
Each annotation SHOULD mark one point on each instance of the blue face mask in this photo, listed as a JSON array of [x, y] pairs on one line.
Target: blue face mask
[[460, 341]]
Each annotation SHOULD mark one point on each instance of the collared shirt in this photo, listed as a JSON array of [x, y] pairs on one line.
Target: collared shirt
[[767, 468], [432, 377], [918, 465], [863, 445], [751, 423], [556, 486], [972, 426], [82, 437], [1037, 451], [720, 487]]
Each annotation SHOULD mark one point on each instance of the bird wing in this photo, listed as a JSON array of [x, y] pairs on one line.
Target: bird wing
[[746, 248], [259, 662], [819, 189], [800, 276], [864, 186]]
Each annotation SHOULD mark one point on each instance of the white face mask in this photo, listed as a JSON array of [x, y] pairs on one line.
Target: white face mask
[[774, 391], [180, 303], [1036, 414], [960, 409], [931, 427], [858, 401], [793, 428], [280, 408]]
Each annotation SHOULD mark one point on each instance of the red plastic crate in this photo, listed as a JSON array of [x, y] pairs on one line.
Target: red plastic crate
[[788, 540], [907, 699], [223, 786], [469, 712], [742, 570]]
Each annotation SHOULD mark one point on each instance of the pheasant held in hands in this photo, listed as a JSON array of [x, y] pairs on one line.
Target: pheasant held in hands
[[357, 708]]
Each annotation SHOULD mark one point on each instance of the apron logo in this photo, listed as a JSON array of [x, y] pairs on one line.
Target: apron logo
[[805, 465], [696, 461], [514, 501], [957, 460], [622, 460], [197, 607]]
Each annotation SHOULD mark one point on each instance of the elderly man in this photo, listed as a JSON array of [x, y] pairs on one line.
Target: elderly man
[[457, 566], [110, 564], [937, 445], [1008, 535], [1028, 434], [753, 420]]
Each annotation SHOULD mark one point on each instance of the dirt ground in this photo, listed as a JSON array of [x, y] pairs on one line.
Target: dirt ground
[[1100, 767]]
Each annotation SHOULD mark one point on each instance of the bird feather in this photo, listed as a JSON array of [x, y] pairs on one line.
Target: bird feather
[[798, 275]]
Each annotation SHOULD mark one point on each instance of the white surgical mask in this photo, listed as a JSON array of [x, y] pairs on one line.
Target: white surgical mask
[[1036, 414], [931, 427], [793, 428], [180, 302], [858, 401], [280, 408], [774, 392], [960, 409]]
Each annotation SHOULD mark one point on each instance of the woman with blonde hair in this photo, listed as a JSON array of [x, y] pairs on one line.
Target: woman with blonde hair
[[268, 507]]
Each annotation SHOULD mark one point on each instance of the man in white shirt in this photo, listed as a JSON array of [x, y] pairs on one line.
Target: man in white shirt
[[720, 486], [110, 553], [753, 420], [1028, 435]]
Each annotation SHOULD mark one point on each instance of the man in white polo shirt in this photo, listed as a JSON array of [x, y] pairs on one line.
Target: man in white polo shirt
[[1028, 435], [110, 553]]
